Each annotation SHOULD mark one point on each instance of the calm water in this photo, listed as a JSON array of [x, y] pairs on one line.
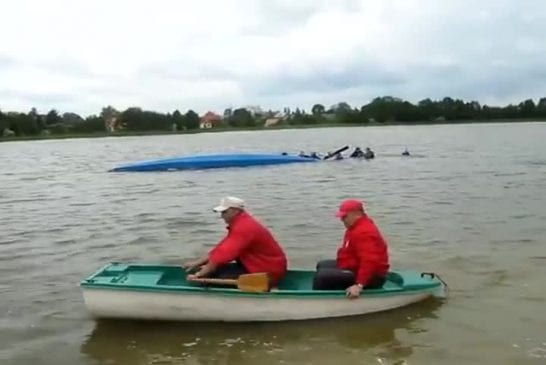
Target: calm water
[[469, 205]]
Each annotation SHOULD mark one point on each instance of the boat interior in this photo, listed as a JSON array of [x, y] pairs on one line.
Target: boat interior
[[158, 276]]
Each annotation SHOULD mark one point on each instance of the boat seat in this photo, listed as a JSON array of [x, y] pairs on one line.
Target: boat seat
[[395, 278], [141, 278]]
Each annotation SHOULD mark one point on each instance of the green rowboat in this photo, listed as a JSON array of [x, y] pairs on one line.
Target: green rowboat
[[161, 292]]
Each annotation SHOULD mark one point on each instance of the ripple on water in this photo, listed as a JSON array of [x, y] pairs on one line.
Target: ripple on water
[[537, 162], [10, 241], [449, 213]]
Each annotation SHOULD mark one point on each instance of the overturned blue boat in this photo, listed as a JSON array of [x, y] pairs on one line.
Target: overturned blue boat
[[198, 162]]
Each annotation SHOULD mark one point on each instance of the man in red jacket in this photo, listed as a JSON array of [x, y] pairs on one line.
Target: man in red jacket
[[249, 247], [362, 260]]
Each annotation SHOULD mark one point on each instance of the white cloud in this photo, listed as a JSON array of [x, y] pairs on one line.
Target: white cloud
[[164, 55]]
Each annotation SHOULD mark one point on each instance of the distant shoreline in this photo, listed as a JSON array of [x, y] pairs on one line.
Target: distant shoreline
[[259, 128]]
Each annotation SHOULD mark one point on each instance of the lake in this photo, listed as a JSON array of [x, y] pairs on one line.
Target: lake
[[469, 204]]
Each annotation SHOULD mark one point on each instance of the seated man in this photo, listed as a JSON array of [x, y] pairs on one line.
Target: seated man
[[249, 247], [362, 260]]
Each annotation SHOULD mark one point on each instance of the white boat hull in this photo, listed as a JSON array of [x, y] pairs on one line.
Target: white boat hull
[[104, 303]]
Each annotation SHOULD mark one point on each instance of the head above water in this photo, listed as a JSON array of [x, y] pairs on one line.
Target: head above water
[[349, 211]]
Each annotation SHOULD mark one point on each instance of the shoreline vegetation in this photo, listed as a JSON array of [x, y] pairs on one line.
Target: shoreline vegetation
[[250, 129], [382, 111]]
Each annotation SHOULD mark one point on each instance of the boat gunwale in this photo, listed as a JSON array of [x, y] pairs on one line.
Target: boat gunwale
[[274, 294], [88, 283]]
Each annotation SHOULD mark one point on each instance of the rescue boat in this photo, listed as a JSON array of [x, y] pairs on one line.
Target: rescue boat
[[161, 292]]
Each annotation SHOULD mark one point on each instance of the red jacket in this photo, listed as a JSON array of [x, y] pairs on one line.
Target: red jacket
[[253, 245], [364, 251]]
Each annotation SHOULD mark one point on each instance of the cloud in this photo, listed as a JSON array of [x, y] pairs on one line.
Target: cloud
[[6, 62], [165, 55], [325, 78]]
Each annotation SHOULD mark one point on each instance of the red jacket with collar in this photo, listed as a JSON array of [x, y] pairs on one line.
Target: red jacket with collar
[[253, 245], [364, 251]]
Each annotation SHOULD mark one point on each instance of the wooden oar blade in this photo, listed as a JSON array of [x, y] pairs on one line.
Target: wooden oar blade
[[258, 282]]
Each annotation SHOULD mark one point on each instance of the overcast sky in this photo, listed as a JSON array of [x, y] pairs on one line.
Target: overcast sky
[[208, 55]]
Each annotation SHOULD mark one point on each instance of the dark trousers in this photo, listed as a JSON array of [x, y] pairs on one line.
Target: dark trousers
[[230, 271], [329, 277]]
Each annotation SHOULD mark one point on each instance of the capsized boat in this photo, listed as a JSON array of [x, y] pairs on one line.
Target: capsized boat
[[210, 161], [161, 292]]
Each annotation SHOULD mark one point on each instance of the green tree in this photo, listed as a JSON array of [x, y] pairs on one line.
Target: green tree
[[510, 111], [3, 123], [301, 117], [191, 120], [318, 109], [178, 120], [241, 118], [72, 118], [21, 124], [40, 120], [108, 112], [53, 118], [353, 116], [541, 108], [136, 119], [379, 109], [92, 123], [527, 108]]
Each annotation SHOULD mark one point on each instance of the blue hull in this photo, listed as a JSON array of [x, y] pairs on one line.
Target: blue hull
[[199, 162]]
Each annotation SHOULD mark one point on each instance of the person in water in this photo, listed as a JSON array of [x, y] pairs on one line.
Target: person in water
[[406, 152], [249, 247], [357, 153], [362, 259], [312, 155], [369, 154]]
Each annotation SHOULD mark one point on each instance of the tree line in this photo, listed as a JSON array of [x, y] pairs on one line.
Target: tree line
[[384, 110]]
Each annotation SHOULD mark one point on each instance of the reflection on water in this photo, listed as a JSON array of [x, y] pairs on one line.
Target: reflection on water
[[374, 336]]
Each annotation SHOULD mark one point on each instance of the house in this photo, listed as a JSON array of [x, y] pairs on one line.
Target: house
[[276, 117], [210, 120], [112, 120], [272, 121], [111, 123], [7, 133]]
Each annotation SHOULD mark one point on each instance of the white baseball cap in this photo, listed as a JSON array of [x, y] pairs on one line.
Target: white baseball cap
[[229, 202]]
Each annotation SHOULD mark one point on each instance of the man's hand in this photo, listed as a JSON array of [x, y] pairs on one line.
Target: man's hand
[[194, 264], [190, 265], [354, 291], [204, 271], [191, 277]]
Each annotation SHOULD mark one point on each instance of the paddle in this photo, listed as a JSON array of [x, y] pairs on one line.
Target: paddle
[[336, 152], [256, 283]]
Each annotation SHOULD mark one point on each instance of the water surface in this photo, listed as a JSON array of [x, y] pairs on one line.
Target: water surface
[[469, 205]]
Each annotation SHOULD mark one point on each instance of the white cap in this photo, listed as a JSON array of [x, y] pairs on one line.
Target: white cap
[[229, 202]]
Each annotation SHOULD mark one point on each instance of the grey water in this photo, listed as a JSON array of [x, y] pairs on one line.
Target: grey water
[[469, 204]]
